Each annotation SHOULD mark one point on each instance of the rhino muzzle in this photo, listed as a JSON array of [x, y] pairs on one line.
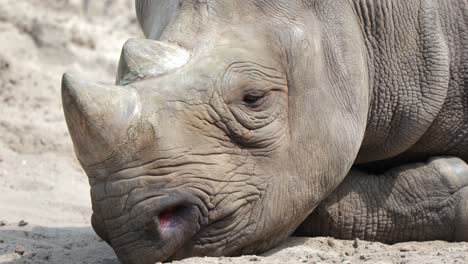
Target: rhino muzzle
[[161, 236]]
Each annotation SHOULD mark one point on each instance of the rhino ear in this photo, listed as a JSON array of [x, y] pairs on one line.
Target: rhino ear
[[155, 15], [143, 59]]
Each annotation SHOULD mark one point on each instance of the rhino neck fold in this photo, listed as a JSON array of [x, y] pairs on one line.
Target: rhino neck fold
[[409, 73]]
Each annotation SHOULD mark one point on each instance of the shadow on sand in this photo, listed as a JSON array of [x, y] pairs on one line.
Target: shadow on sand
[[40, 245]]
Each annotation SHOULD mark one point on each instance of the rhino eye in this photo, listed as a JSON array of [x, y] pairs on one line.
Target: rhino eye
[[253, 99]]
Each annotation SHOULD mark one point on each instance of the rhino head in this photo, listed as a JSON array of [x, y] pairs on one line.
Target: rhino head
[[222, 136]]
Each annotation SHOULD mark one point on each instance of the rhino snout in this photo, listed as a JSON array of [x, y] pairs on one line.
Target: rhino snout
[[160, 232]]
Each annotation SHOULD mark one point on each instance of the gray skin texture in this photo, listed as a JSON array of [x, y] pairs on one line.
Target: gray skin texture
[[234, 120]]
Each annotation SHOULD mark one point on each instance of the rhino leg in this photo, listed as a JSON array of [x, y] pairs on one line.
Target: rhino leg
[[420, 201]]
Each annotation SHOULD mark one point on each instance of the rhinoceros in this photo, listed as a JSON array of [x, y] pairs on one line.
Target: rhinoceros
[[236, 123]]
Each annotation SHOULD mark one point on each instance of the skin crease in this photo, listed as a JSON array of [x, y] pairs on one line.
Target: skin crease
[[251, 134]]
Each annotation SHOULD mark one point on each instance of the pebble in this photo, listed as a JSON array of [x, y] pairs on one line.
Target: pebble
[[330, 242], [22, 223], [356, 243], [20, 250], [322, 257], [2, 223], [68, 246], [404, 249], [254, 259]]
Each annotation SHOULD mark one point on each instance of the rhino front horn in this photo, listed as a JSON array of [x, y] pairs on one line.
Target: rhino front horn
[[98, 116]]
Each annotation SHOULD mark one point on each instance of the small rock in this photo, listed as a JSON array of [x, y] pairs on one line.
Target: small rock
[[362, 257], [403, 256], [4, 64], [331, 242], [404, 249], [2, 223], [254, 259], [322, 257], [20, 250], [68, 246], [356, 243], [2, 241], [347, 253], [22, 223]]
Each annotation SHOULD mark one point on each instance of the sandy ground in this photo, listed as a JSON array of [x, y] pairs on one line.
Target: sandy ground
[[44, 195]]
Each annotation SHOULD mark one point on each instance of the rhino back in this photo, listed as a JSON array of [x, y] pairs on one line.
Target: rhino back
[[418, 61]]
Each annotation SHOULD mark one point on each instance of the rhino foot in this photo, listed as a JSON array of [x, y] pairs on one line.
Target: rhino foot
[[414, 202]]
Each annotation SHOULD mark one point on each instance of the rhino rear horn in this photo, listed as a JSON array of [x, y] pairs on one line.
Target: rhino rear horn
[[155, 15], [143, 59], [98, 116]]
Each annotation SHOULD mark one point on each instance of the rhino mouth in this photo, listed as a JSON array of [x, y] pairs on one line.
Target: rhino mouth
[[174, 222]]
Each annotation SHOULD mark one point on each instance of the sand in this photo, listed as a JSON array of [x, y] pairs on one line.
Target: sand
[[44, 195]]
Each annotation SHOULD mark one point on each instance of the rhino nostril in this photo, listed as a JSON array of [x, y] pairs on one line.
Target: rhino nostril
[[175, 220], [169, 220], [165, 217], [173, 216], [165, 229]]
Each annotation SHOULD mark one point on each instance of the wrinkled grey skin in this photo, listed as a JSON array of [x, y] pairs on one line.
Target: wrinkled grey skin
[[236, 119]]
